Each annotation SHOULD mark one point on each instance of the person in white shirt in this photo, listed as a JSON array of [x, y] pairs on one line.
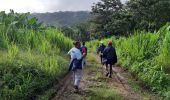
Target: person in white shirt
[[76, 64]]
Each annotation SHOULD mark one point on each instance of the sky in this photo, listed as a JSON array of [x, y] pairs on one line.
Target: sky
[[41, 6]]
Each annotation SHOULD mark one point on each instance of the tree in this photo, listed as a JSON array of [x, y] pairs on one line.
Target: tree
[[77, 32], [121, 23], [113, 17], [67, 31], [103, 11], [149, 15]]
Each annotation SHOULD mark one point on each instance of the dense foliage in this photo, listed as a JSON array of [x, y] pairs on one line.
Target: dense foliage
[[121, 19], [147, 57], [30, 56], [77, 32]]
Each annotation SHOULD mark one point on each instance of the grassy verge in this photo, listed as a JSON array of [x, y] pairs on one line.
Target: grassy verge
[[31, 56], [29, 74], [145, 93]]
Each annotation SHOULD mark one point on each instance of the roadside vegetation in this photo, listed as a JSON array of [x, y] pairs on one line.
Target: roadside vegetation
[[146, 55], [31, 56]]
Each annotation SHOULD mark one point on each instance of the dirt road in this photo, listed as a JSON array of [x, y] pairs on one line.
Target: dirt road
[[96, 86]]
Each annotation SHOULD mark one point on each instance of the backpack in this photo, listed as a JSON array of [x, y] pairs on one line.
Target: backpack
[[101, 48], [84, 50], [110, 53]]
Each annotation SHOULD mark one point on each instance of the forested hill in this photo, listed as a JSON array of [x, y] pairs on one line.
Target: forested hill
[[67, 18]]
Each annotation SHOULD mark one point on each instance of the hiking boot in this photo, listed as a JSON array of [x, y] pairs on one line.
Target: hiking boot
[[107, 74], [76, 87], [110, 76]]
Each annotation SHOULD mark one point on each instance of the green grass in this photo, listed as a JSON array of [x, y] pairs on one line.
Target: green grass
[[103, 94], [146, 55], [92, 59], [48, 94], [33, 56], [27, 74]]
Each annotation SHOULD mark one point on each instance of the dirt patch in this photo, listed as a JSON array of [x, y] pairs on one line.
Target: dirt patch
[[94, 80]]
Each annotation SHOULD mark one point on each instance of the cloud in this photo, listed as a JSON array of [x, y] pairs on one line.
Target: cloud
[[28, 5], [74, 5], [46, 5]]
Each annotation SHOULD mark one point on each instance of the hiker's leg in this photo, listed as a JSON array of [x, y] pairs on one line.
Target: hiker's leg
[[83, 61], [110, 70], [101, 58], [78, 76], [107, 71], [73, 76], [107, 68]]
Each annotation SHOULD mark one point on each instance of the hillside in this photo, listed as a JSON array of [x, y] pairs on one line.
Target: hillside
[[67, 18]]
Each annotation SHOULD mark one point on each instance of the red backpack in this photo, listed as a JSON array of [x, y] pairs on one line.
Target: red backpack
[[83, 50]]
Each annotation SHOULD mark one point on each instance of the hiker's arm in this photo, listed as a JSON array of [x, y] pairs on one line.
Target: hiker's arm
[[83, 55]]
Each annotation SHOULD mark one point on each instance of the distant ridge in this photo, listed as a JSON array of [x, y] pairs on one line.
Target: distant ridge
[[63, 18]]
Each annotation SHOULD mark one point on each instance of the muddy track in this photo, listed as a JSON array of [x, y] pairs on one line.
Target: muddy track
[[119, 83], [123, 82], [62, 86]]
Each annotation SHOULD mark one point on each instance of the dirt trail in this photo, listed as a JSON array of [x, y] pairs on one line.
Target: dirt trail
[[94, 76]]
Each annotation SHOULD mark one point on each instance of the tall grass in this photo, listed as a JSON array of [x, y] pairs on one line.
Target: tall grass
[[147, 56], [31, 56]]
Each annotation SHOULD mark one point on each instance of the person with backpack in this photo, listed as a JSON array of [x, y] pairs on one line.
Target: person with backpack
[[109, 54], [76, 64], [84, 52], [100, 50]]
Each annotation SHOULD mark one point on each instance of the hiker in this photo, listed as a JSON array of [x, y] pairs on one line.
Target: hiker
[[84, 52], [109, 54], [100, 50], [76, 64]]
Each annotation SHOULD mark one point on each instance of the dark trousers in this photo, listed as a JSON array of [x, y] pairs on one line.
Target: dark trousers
[[101, 58], [109, 71]]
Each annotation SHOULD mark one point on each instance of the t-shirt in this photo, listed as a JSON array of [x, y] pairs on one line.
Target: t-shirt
[[75, 53]]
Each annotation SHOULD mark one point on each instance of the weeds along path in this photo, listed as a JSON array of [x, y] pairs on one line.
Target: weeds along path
[[95, 86]]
